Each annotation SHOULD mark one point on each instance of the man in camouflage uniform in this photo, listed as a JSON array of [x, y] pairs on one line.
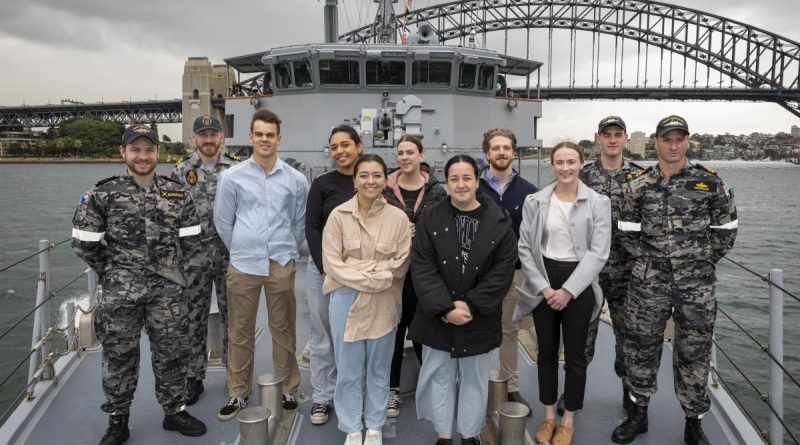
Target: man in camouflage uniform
[[135, 230], [677, 220], [606, 176], [199, 173]]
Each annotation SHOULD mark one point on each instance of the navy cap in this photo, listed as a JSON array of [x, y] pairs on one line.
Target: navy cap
[[136, 131], [611, 120], [206, 122], [670, 123]]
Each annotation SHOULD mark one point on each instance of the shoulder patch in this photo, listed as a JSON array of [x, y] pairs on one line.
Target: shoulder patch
[[182, 160], [630, 176], [167, 178], [635, 165], [231, 157], [103, 181], [86, 197], [704, 168]]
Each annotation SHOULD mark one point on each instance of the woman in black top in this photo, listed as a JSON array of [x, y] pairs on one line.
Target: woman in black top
[[326, 193], [412, 187]]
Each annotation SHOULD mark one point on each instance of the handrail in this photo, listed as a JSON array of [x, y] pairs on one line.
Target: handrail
[[764, 278], [50, 247]]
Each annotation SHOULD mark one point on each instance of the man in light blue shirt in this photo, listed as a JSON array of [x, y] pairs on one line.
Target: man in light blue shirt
[[259, 214]]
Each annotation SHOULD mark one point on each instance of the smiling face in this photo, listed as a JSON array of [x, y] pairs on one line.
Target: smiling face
[[501, 153], [671, 147], [566, 165], [370, 180], [344, 150], [141, 156], [612, 140], [462, 183], [409, 157], [208, 142], [265, 139]]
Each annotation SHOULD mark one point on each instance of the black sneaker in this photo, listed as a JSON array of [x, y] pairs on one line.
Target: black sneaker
[[471, 441], [319, 413], [232, 408], [184, 423], [117, 431], [289, 401], [194, 387]]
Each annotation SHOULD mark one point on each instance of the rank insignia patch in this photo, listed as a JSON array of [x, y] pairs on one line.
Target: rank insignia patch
[[191, 177], [701, 186]]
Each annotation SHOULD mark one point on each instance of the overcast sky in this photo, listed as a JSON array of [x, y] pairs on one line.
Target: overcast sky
[[93, 50]]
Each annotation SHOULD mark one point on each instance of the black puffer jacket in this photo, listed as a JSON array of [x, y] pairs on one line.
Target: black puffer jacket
[[438, 280]]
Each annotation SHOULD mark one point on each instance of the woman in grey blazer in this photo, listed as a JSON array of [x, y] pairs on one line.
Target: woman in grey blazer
[[564, 242]]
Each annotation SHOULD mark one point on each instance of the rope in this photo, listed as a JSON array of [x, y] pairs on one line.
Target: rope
[[763, 397], [762, 347], [764, 278], [51, 246]]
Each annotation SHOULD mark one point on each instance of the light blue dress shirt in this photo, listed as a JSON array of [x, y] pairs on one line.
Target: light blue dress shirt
[[261, 217], [495, 183]]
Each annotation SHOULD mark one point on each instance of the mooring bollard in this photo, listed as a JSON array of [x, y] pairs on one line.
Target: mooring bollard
[[270, 390], [254, 426], [511, 423], [498, 389]]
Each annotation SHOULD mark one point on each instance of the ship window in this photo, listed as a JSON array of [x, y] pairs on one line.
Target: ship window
[[382, 72], [228, 125], [338, 72], [283, 78], [427, 74], [466, 75], [302, 74], [486, 78]]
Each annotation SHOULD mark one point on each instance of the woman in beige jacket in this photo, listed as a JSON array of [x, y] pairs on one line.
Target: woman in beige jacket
[[365, 247]]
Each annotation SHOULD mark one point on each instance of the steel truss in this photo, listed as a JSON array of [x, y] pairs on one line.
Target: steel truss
[[152, 112]]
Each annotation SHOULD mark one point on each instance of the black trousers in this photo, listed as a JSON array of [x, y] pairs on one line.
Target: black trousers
[[409, 308], [573, 321]]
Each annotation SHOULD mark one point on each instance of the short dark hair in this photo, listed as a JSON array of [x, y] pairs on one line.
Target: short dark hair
[[413, 139], [461, 158], [493, 132], [370, 157], [566, 144], [267, 116], [344, 128]]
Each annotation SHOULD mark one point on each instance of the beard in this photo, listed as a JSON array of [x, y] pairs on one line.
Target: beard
[[140, 169], [501, 164], [209, 149]]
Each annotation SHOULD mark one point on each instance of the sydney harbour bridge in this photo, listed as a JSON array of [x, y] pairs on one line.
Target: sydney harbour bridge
[[591, 50]]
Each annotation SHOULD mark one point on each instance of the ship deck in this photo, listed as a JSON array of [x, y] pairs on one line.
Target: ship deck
[[69, 412]]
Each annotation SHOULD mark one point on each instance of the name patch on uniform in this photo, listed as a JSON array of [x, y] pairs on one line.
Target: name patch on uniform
[[173, 194], [702, 186], [191, 177]]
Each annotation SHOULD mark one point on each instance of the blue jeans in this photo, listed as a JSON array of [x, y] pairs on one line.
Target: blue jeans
[[323, 366], [453, 391], [362, 381]]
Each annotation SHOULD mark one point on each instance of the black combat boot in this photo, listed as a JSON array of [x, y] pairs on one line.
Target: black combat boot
[[626, 400], [184, 423], [693, 432], [117, 431], [194, 387], [635, 424]]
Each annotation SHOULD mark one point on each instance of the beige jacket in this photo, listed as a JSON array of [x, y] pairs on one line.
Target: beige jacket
[[372, 257]]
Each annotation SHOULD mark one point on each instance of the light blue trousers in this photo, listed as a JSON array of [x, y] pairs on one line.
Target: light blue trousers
[[453, 391], [323, 366], [362, 381]]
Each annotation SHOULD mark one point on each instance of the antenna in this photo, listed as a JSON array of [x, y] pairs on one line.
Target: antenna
[[385, 23], [331, 21]]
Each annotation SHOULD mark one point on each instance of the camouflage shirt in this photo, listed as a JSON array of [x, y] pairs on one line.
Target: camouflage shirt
[[610, 183], [120, 226], [687, 218], [203, 186]]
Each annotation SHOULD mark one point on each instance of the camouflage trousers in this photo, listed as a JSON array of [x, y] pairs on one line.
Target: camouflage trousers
[[656, 292], [199, 281], [615, 292], [129, 303]]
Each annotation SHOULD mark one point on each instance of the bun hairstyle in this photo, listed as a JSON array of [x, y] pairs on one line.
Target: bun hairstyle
[[461, 158], [346, 129], [370, 157], [413, 139], [566, 144]]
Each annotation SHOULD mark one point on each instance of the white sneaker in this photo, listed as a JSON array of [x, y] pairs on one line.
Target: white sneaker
[[353, 439], [373, 438]]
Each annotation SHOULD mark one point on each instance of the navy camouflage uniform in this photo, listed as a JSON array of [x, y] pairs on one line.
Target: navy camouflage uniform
[[209, 264], [614, 276], [676, 229], [136, 238]]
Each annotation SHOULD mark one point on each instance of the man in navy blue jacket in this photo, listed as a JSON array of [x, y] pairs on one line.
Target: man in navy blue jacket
[[508, 189]]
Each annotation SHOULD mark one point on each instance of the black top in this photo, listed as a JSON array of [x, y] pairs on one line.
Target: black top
[[409, 199], [327, 192]]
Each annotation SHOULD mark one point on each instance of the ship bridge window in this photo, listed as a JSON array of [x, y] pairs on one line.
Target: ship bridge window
[[466, 75], [427, 74], [471, 75], [386, 73], [486, 78], [296, 74], [338, 72]]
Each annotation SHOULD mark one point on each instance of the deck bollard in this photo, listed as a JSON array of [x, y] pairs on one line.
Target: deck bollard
[[254, 426], [270, 390], [511, 421], [498, 389]]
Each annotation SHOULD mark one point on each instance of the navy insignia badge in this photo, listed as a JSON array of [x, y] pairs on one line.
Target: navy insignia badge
[[191, 177], [207, 120]]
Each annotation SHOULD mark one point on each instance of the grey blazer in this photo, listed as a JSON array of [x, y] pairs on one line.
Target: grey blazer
[[590, 231]]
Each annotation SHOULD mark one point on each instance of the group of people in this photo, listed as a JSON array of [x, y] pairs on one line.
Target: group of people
[[453, 267]]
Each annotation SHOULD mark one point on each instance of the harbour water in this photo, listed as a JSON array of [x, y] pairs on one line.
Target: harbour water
[[37, 201]]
